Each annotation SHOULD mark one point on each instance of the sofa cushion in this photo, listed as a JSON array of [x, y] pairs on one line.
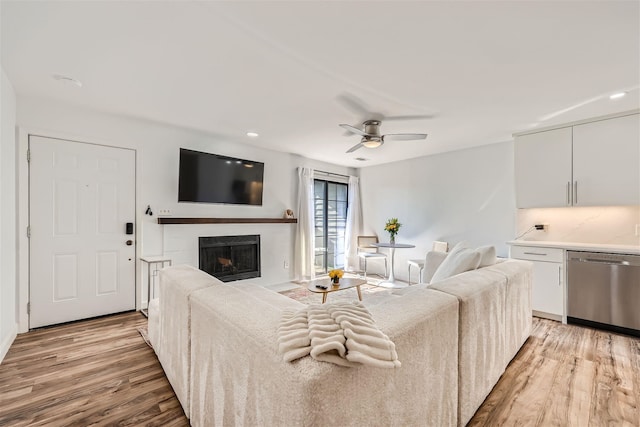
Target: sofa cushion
[[487, 256], [481, 344], [517, 303], [153, 323], [459, 260], [239, 378], [174, 333], [431, 264]]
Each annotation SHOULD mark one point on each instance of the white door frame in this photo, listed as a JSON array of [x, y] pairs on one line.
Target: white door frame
[[23, 216]]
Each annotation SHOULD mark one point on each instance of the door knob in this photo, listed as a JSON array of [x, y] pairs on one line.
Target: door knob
[[129, 242]]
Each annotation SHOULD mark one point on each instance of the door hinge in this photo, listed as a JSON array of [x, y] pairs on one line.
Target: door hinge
[[28, 308], [28, 155], [28, 231]]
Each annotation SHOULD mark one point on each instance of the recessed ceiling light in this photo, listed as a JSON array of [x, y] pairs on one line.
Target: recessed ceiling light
[[67, 80], [252, 134], [618, 95]]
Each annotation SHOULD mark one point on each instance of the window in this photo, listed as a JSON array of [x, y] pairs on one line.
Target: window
[[330, 215]]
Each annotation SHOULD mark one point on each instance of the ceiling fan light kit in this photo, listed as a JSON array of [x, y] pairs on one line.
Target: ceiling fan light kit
[[371, 142]]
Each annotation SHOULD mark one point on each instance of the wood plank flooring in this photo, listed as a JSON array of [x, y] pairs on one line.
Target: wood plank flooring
[[96, 372], [567, 375], [101, 372]]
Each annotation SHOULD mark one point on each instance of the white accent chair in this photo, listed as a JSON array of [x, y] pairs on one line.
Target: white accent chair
[[419, 263], [367, 252]]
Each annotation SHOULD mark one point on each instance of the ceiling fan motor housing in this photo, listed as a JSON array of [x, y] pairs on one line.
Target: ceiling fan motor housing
[[372, 127], [373, 138]]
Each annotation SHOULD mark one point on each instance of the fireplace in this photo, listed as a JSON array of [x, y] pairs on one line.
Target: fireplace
[[230, 258]]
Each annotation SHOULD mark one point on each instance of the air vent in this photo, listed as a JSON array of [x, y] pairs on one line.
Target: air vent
[[361, 159]]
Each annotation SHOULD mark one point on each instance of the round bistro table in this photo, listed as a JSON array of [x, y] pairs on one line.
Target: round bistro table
[[391, 280]]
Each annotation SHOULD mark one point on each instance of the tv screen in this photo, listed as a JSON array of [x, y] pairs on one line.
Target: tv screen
[[210, 178]]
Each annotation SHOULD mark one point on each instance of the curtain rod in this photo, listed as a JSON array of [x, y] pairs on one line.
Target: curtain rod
[[332, 174]]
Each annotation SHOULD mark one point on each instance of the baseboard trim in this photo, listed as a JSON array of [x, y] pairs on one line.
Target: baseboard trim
[[549, 316], [7, 341]]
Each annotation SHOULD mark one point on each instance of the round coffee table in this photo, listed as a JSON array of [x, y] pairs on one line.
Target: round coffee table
[[345, 283]]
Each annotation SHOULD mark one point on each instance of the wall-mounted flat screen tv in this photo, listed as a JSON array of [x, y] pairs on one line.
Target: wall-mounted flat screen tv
[[210, 178]]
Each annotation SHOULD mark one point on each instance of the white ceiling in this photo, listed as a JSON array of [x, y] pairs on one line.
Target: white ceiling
[[484, 69]]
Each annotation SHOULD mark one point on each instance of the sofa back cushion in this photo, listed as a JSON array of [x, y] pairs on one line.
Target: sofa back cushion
[[431, 264], [459, 260], [487, 256]]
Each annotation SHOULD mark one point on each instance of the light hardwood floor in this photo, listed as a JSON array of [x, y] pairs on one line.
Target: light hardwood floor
[[101, 372], [567, 375], [95, 372]]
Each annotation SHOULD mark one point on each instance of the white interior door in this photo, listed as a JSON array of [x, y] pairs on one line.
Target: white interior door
[[80, 198]]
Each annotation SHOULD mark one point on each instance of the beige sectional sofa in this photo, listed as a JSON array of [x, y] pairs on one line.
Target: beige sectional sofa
[[453, 338]]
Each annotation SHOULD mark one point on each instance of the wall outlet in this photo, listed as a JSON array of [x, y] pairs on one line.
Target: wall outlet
[[286, 264], [542, 227], [164, 212]]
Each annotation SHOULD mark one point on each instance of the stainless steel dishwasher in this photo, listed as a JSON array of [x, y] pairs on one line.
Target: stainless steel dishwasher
[[604, 291]]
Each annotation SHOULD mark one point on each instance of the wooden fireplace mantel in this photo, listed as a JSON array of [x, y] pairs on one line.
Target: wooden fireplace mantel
[[173, 220]]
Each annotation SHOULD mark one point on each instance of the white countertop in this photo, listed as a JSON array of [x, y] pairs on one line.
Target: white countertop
[[590, 247]]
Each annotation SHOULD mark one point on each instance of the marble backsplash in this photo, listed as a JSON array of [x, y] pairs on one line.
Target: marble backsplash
[[603, 225]]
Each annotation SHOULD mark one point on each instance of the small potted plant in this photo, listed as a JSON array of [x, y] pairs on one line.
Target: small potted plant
[[335, 276]]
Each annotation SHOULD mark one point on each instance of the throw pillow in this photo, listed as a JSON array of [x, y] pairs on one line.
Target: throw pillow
[[487, 256], [459, 260], [431, 264]]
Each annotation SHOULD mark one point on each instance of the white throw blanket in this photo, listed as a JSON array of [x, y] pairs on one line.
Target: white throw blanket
[[340, 333]]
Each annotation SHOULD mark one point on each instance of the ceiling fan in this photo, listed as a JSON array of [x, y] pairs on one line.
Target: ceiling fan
[[371, 137]]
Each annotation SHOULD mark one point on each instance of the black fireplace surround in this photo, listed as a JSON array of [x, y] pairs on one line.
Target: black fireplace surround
[[230, 258]]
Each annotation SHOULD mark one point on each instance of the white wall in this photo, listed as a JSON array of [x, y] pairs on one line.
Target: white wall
[[157, 149], [462, 195], [8, 243]]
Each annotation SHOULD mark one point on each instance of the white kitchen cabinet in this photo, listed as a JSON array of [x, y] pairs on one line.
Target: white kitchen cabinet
[[547, 299], [543, 169], [586, 164], [548, 294], [606, 162]]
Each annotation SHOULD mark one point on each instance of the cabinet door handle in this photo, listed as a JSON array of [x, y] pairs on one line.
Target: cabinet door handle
[[535, 253], [575, 192], [568, 193], [559, 275]]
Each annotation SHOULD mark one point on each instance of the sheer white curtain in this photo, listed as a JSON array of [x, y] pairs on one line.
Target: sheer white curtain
[[305, 237], [353, 227]]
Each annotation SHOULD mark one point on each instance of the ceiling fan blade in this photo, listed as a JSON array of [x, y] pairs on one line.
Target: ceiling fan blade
[[355, 147], [410, 117], [353, 103], [404, 136], [353, 129]]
